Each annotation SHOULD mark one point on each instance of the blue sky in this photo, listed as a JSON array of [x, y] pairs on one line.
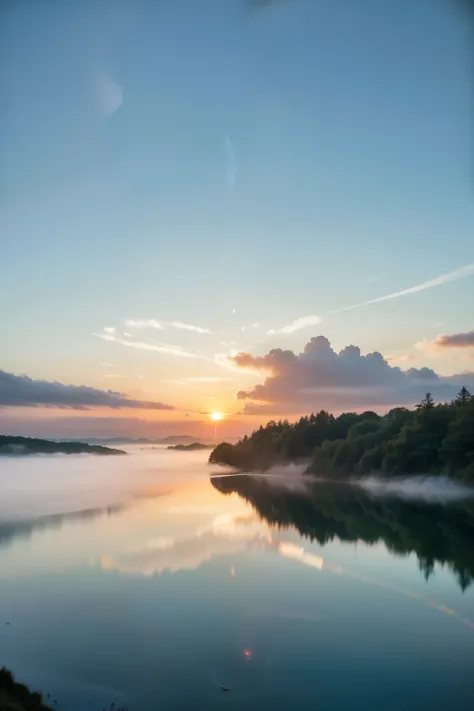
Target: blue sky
[[178, 161]]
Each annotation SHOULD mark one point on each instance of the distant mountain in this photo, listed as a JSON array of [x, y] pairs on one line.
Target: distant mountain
[[178, 439], [172, 439], [11, 446]]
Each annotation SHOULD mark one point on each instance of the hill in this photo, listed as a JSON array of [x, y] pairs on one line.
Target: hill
[[10, 446], [193, 447], [430, 439], [17, 697], [171, 439]]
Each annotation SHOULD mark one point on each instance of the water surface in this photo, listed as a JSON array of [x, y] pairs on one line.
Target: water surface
[[141, 580]]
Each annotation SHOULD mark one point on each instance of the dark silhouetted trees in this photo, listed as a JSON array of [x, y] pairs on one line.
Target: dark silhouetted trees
[[436, 533], [430, 439]]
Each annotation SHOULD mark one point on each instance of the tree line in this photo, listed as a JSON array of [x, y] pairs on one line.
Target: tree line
[[429, 439]]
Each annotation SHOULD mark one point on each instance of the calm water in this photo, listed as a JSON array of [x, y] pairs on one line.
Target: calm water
[[140, 580]]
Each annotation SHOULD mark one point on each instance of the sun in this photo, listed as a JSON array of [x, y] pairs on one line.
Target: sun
[[216, 416]]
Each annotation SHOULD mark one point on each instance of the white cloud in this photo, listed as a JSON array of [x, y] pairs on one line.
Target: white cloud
[[165, 348], [109, 94], [188, 327], [145, 323], [109, 329], [163, 325], [300, 323], [455, 275]]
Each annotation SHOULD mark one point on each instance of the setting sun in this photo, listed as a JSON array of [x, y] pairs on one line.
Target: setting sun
[[216, 416]]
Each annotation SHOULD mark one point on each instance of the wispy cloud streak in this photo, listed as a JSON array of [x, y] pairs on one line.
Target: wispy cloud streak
[[164, 325], [297, 325], [455, 275], [165, 348]]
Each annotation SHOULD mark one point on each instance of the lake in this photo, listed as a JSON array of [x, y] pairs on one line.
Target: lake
[[142, 581]]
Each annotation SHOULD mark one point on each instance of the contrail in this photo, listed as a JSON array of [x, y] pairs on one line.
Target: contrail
[[456, 275]]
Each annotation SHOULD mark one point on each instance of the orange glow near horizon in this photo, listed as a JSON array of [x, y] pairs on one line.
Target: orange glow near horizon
[[216, 416]]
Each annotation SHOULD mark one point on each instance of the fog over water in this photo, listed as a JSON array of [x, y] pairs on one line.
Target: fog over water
[[38, 485], [121, 576]]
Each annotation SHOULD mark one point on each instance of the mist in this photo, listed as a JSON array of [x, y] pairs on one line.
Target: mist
[[42, 485], [431, 489]]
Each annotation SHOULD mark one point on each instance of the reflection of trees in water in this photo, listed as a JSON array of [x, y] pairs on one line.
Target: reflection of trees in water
[[11, 530], [436, 533]]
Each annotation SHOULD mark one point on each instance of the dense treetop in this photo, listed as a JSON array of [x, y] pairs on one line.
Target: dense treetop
[[430, 439]]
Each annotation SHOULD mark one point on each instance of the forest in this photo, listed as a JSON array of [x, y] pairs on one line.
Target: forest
[[431, 439], [10, 446]]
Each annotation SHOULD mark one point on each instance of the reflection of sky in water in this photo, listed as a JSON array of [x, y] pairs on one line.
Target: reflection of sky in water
[[181, 577]]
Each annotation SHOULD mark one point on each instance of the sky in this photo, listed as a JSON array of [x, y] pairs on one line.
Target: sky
[[213, 207]]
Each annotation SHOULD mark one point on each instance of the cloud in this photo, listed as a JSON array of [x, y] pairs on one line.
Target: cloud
[[21, 391], [109, 329], [300, 323], [455, 275], [163, 325], [456, 340], [109, 94], [165, 348], [321, 378], [227, 534]]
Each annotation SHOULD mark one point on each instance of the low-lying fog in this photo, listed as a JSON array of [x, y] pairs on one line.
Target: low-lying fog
[[43, 485], [37, 486]]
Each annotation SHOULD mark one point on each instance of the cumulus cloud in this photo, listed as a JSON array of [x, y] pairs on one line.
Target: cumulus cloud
[[300, 323], [21, 391], [456, 340], [319, 377], [455, 275], [109, 94], [165, 348], [164, 325]]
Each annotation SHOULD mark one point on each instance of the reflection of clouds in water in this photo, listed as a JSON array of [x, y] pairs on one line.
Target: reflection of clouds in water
[[227, 534], [291, 550]]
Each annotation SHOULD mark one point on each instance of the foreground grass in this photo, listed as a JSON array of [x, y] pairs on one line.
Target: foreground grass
[[17, 697]]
